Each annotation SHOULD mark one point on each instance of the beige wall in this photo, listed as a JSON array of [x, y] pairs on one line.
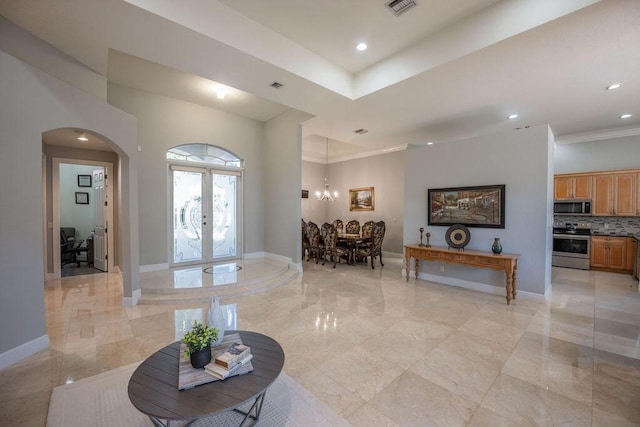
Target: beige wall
[[32, 103], [384, 172], [166, 122]]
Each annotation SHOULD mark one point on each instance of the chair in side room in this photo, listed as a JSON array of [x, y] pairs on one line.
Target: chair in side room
[[352, 227], [367, 229], [373, 247], [69, 246], [305, 241], [323, 232], [313, 232], [332, 250]]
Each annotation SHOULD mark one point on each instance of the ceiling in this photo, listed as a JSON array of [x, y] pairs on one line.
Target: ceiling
[[440, 72]]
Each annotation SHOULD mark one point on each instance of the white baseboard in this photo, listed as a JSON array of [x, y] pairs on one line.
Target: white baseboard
[[133, 300], [480, 287], [269, 255], [23, 351], [153, 267], [392, 255]]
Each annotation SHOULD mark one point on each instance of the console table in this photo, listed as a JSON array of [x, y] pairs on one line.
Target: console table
[[506, 262]]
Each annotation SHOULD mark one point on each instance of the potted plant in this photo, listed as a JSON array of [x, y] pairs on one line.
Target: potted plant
[[198, 341]]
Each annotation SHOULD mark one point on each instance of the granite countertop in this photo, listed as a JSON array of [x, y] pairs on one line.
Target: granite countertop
[[614, 233]]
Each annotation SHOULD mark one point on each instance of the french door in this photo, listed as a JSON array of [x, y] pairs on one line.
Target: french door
[[205, 215]]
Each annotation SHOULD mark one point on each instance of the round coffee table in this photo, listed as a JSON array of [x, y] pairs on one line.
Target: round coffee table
[[153, 387]]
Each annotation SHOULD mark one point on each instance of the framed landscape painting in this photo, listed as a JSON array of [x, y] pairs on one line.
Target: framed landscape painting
[[481, 206], [361, 199]]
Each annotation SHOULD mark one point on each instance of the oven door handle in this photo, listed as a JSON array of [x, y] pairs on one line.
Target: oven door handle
[[571, 237]]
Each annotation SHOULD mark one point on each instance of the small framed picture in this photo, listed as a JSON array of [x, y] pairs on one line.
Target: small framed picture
[[84, 180], [82, 198]]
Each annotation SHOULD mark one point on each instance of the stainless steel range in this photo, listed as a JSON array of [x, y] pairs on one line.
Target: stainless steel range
[[571, 244]]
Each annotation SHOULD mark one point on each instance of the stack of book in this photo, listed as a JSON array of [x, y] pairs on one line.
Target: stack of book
[[230, 361]]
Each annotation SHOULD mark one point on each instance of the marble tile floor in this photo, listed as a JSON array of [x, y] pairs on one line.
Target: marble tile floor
[[378, 350]]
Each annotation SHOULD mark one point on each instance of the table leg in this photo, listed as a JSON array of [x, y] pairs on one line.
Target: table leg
[[509, 278], [417, 262], [407, 262], [257, 407], [515, 282]]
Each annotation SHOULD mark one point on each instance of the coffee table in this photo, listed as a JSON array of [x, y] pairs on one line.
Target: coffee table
[[153, 387]]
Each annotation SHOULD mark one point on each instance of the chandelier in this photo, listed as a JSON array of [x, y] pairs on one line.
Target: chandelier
[[326, 194]]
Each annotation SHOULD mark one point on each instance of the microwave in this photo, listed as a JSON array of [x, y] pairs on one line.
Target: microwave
[[572, 207]]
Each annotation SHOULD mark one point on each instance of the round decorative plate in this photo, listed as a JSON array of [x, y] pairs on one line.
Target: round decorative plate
[[457, 236]]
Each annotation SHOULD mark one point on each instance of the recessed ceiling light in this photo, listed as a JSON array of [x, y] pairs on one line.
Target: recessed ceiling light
[[614, 86], [81, 136], [513, 116], [221, 93], [430, 143], [625, 116], [361, 46]]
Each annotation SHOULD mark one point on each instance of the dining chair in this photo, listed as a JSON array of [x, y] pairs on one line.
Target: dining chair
[[332, 250], [313, 232], [367, 229], [305, 241], [372, 248], [352, 227], [338, 225]]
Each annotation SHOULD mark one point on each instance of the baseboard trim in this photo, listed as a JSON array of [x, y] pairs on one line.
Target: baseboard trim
[[23, 351], [153, 267], [480, 287], [132, 301]]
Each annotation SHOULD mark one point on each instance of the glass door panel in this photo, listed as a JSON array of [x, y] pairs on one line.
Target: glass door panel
[[223, 215], [187, 216]]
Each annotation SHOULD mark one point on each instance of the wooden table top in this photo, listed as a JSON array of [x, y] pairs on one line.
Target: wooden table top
[[153, 387]]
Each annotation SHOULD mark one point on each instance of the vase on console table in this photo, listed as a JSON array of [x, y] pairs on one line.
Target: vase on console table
[[496, 248]]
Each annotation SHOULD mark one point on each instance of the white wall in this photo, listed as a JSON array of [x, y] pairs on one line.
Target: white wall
[[593, 156], [282, 183], [32, 103], [518, 159], [166, 122], [313, 175]]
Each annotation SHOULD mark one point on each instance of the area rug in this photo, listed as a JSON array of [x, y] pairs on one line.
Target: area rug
[[102, 400]]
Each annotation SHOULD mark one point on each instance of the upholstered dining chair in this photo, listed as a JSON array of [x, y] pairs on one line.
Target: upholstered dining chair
[[367, 229], [338, 225], [352, 227], [372, 248], [313, 233], [305, 241], [331, 248]]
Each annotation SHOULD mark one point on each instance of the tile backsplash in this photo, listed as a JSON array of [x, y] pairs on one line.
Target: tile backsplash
[[616, 224]]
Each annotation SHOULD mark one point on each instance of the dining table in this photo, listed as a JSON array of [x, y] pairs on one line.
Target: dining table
[[351, 241]]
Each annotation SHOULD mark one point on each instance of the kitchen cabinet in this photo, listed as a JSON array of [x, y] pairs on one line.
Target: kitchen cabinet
[[609, 253], [567, 187], [632, 246], [615, 194]]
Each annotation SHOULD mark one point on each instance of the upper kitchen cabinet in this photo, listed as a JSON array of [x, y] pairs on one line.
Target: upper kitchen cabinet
[[614, 194], [567, 187]]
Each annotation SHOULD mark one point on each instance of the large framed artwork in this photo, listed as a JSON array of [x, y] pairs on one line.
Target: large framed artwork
[[480, 206], [361, 199]]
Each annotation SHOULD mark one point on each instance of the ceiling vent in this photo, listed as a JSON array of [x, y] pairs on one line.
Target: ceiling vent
[[276, 85], [360, 131], [398, 7]]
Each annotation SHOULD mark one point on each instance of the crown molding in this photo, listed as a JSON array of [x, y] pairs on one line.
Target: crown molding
[[597, 135]]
